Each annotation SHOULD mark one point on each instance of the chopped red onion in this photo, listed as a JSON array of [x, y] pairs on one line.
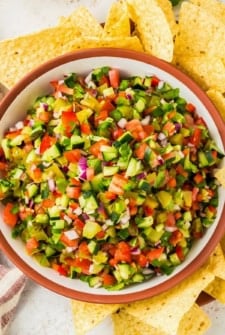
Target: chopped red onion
[[19, 125], [141, 175], [146, 120], [135, 251], [160, 160], [77, 211], [85, 216], [70, 249], [82, 165], [88, 78], [67, 219], [122, 123], [51, 184], [178, 127], [44, 106], [170, 229], [161, 136], [71, 234], [147, 271]]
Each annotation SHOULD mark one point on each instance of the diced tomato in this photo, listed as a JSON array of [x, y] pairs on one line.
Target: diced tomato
[[117, 132], [9, 217], [83, 264], [83, 251], [100, 235], [104, 80], [170, 220], [101, 116], [180, 252], [142, 260], [68, 242], [73, 156], [117, 184], [107, 105], [85, 128], [69, 120], [107, 279], [90, 172], [136, 129], [140, 151], [31, 245], [190, 107], [73, 192], [154, 254], [155, 81], [195, 139], [61, 87], [180, 170], [110, 195], [46, 142], [78, 225], [36, 174], [176, 237], [172, 182], [95, 149], [13, 134], [169, 128], [48, 203], [114, 78], [61, 269], [123, 252]]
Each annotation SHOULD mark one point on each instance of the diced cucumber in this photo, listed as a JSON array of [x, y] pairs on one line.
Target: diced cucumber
[[77, 141], [6, 148], [126, 137], [32, 190], [110, 170], [51, 153]]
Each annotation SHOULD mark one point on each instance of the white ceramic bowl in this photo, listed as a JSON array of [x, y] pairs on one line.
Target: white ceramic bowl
[[13, 109]]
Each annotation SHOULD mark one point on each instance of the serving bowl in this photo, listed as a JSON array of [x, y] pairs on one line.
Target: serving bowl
[[13, 108]]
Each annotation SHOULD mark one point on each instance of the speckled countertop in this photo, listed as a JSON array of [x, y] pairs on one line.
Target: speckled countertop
[[40, 311]]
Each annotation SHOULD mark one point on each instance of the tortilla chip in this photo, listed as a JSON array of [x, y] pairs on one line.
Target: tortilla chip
[[152, 27], [117, 22], [217, 289], [216, 263], [214, 7], [194, 322], [170, 306], [125, 324], [199, 32], [166, 6], [132, 43], [218, 99], [88, 315], [84, 21], [207, 71], [22, 54]]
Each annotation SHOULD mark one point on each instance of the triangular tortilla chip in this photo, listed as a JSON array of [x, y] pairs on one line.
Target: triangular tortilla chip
[[217, 262], [207, 71], [199, 32], [152, 28], [22, 54], [219, 101], [170, 306], [194, 322], [166, 6], [87, 315], [84, 21], [217, 289], [125, 324], [214, 7], [117, 23]]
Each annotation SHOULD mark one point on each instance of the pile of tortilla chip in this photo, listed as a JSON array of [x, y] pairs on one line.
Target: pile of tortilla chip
[[123, 28], [195, 45], [173, 312]]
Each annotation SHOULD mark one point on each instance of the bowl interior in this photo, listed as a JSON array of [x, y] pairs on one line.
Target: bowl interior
[[37, 83]]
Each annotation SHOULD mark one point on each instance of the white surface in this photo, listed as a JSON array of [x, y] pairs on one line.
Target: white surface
[[40, 311]]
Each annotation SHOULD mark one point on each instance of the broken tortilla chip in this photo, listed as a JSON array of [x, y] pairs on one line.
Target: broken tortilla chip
[[199, 33], [218, 99], [87, 315], [84, 21], [22, 54], [170, 306], [117, 22], [152, 28]]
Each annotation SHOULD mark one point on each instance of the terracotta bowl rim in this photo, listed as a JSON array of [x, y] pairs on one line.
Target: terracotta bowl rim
[[214, 239]]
